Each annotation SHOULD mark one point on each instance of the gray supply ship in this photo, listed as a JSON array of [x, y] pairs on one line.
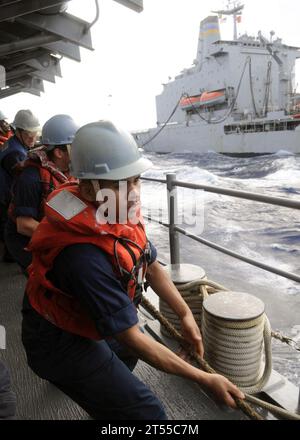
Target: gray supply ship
[[239, 97]]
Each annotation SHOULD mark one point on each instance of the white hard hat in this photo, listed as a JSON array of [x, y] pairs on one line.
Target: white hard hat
[[103, 151], [26, 120], [2, 116]]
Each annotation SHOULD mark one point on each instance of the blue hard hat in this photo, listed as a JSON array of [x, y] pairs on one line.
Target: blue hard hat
[[59, 130]]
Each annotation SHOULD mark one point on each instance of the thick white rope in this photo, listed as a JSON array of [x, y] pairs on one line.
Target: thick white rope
[[235, 349], [194, 294]]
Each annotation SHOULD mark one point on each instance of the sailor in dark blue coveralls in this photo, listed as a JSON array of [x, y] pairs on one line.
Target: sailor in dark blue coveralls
[[44, 171], [80, 326], [12, 153]]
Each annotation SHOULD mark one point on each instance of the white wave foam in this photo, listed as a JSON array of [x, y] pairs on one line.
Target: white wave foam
[[288, 176], [283, 248], [198, 176], [283, 153]]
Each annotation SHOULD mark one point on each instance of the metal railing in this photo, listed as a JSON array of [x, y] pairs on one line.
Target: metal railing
[[175, 231]]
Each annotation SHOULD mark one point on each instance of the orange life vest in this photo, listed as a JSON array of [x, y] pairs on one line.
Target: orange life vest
[[5, 136], [126, 245]]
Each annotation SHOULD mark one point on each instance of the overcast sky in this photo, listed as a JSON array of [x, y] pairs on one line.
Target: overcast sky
[[135, 53]]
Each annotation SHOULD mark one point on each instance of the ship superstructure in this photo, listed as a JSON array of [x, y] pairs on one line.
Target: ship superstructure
[[238, 97]]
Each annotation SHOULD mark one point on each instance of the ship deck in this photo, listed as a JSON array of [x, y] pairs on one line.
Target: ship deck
[[39, 400]]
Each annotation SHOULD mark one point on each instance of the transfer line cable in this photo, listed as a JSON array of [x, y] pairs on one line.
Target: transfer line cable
[[165, 124], [90, 25]]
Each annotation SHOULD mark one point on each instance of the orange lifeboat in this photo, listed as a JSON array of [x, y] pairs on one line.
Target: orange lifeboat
[[190, 102], [207, 99]]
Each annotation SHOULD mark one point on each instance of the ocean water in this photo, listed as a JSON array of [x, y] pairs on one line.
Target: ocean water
[[266, 233]]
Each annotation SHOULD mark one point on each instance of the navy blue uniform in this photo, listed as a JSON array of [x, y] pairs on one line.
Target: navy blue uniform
[[7, 396], [27, 198], [11, 153], [95, 374]]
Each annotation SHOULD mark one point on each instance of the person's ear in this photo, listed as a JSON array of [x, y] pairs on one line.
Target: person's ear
[[87, 190], [58, 154]]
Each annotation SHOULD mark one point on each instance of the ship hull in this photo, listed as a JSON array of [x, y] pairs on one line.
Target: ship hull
[[202, 138]]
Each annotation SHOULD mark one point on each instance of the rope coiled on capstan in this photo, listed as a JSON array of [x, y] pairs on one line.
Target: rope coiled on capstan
[[247, 409], [242, 405], [194, 294], [235, 349]]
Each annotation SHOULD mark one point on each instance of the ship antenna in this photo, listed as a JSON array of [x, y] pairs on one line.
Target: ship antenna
[[234, 8]]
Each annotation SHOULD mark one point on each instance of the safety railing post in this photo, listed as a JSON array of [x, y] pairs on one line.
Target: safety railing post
[[173, 219]]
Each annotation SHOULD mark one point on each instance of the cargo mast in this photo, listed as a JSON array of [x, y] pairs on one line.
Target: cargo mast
[[234, 8]]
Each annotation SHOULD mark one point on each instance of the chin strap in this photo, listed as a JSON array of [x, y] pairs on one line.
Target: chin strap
[[96, 187]]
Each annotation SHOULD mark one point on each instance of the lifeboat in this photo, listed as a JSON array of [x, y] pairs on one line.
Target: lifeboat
[[207, 99]]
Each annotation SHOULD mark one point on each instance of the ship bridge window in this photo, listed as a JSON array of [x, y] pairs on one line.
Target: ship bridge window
[[260, 127]]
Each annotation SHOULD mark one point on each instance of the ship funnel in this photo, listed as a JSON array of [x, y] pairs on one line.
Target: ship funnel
[[209, 34]]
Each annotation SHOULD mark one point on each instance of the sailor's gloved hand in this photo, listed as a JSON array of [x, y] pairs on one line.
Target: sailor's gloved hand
[[191, 333]]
